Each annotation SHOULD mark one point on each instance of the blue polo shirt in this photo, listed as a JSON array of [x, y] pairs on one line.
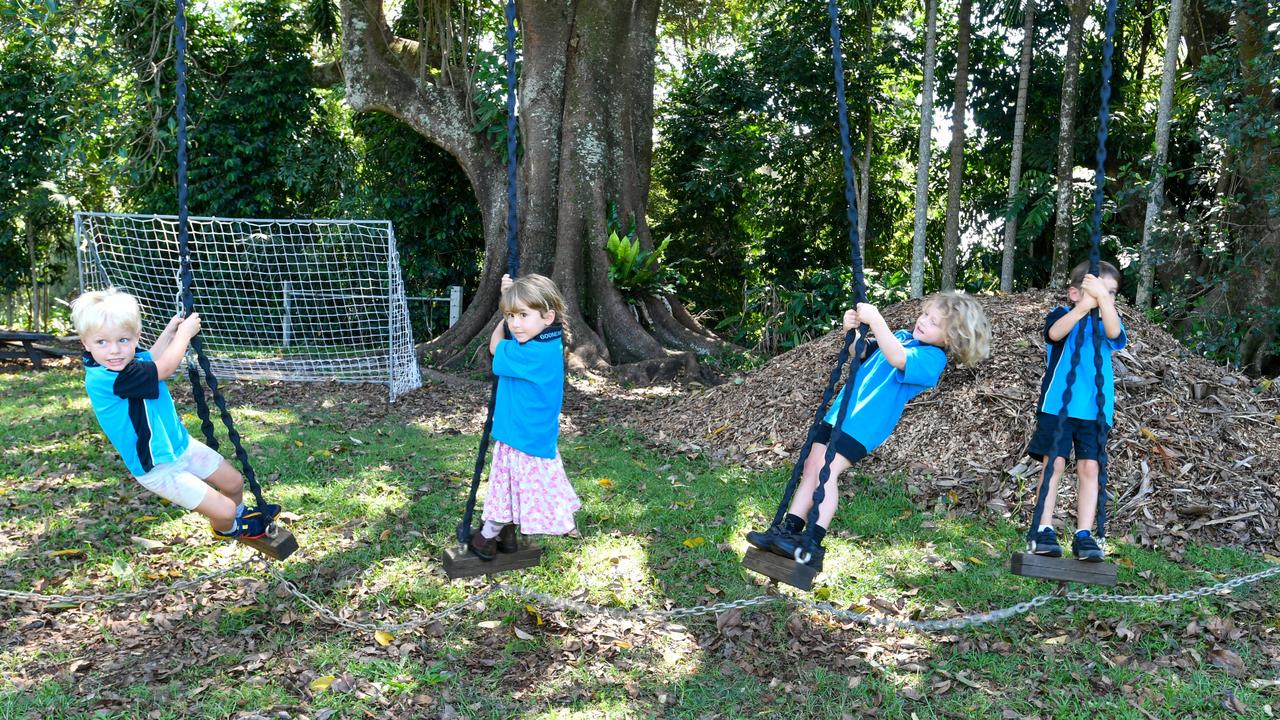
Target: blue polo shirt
[[1084, 403], [136, 412], [881, 391], [526, 415]]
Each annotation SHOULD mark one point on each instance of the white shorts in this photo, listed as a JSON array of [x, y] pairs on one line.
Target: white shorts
[[181, 482]]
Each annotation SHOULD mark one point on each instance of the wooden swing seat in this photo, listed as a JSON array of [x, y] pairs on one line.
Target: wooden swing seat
[[1063, 570], [776, 567]]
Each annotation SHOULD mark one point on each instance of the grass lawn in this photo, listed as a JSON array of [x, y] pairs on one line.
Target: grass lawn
[[379, 492]]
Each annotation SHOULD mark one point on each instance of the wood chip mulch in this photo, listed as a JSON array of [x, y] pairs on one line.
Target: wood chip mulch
[[1192, 454]]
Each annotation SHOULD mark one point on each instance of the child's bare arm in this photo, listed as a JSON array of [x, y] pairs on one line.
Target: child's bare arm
[[1062, 326], [1106, 305], [498, 330], [166, 336], [497, 335], [889, 345], [167, 362]]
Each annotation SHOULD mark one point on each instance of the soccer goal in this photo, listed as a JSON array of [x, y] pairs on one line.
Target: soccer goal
[[302, 300]]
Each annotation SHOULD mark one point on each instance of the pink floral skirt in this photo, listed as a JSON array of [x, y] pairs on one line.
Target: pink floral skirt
[[529, 491]]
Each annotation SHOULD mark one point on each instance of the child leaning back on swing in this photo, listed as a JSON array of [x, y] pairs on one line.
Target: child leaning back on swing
[[898, 366], [127, 390]]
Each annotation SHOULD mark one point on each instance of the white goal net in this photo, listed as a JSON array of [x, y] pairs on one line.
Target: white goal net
[[305, 300]]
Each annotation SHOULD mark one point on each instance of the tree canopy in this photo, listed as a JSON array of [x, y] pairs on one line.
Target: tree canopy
[[711, 124]]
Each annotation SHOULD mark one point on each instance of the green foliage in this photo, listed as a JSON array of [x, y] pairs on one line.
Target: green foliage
[[774, 318], [635, 271], [418, 187], [260, 143]]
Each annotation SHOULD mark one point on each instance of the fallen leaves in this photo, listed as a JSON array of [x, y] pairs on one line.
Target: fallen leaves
[[1227, 660]]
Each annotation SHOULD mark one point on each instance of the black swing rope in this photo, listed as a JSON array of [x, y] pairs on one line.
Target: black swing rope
[[1095, 234], [513, 265], [184, 253], [855, 338]]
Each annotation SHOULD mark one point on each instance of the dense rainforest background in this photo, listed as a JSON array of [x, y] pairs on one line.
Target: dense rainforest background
[[706, 132]]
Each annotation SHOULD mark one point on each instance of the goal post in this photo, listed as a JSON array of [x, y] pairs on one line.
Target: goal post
[[296, 300]]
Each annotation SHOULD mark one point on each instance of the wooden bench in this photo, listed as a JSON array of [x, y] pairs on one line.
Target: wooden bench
[[11, 340]]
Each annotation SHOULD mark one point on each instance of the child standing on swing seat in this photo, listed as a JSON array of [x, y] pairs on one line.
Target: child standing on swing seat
[[527, 483], [1081, 427], [898, 366], [128, 394]]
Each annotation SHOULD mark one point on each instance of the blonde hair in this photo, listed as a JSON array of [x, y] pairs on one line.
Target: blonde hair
[[966, 326], [536, 292], [104, 309]]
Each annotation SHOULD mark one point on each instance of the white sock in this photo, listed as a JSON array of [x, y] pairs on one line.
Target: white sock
[[240, 509], [491, 529], [1045, 527]]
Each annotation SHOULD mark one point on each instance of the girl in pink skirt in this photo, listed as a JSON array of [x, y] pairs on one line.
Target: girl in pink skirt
[[527, 483]]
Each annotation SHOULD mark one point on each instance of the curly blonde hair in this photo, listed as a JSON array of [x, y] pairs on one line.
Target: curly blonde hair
[[965, 323]]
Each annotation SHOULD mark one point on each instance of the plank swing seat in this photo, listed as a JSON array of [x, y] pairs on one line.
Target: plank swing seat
[[783, 570], [459, 562], [1062, 570], [277, 544]]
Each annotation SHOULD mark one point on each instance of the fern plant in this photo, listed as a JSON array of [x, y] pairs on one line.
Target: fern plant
[[638, 272]]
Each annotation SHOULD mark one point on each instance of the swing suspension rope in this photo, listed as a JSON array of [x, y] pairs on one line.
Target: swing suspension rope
[[186, 277], [853, 338], [1094, 320], [513, 266]]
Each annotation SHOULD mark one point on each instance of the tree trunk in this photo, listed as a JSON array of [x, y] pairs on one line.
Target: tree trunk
[[955, 178], [863, 185], [35, 284], [926, 147], [1019, 130], [864, 167], [1259, 211], [1146, 255], [586, 128], [1146, 9], [1062, 229]]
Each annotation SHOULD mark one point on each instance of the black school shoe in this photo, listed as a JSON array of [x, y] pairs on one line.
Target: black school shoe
[[766, 540], [507, 539], [1085, 548], [1045, 543], [788, 533], [484, 548]]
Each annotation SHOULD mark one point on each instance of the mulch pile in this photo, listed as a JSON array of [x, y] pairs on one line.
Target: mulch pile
[[1192, 455]]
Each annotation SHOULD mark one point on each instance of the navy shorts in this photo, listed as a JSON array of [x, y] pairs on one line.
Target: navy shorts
[[851, 449], [1081, 434]]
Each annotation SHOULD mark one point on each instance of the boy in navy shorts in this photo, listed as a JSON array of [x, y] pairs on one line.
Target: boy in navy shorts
[[1080, 429], [132, 404]]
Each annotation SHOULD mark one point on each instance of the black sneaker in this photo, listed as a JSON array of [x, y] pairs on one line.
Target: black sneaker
[[1085, 548], [765, 540], [483, 547], [815, 558], [1045, 543], [507, 542]]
